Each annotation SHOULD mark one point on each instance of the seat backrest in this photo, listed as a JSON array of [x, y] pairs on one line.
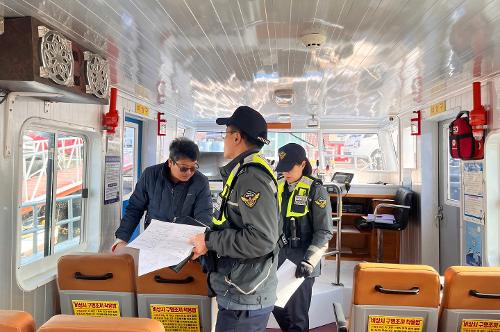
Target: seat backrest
[[179, 300], [386, 291], [403, 197], [190, 280], [470, 293], [16, 321], [66, 323], [97, 281], [96, 272]]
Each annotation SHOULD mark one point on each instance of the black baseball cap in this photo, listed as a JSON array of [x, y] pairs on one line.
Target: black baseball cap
[[290, 155], [248, 121]]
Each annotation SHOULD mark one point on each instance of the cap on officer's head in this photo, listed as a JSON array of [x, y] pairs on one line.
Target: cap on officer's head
[[249, 121], [290, 155]]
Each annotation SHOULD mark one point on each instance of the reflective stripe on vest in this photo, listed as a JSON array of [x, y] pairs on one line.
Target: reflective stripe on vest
[[220, 206], [298, 201]]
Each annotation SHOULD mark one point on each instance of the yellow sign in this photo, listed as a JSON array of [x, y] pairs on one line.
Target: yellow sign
[[470, 325], [96, 308], [392, 324], [177, 318], [438, 108], [141, 109]]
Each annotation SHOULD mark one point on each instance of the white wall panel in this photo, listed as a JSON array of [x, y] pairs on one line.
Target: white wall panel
[[42, 301]]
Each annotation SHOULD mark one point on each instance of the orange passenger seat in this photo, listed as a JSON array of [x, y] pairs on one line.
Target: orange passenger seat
[[16, 321], [183, 294], [393, 295], [97, 285], [471, 297], [69, 323]]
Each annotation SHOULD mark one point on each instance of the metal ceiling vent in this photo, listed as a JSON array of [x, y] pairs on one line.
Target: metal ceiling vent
[[313, 39], [96, 75], [57, 57], [284, 97]]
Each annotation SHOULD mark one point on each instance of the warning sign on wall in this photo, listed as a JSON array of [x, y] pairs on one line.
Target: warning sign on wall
[[392, 323], [96, 308], [177, 318], [470, 325]]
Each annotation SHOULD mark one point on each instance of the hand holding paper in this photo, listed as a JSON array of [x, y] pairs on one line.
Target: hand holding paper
[[199, 245], [164, 244]]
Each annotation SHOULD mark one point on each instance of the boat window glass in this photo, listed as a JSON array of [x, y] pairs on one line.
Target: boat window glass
[[51, 209]]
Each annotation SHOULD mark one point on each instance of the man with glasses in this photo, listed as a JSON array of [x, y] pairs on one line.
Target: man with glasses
[[165, 191], [242, 243]]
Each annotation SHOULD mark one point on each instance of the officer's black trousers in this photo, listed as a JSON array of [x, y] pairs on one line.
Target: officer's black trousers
[[295, 316]]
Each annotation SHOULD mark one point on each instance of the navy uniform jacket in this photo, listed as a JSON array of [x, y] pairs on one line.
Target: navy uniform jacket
[[164, 200]]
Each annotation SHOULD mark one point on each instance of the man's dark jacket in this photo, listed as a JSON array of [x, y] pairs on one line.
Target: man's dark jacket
[[164, 200]]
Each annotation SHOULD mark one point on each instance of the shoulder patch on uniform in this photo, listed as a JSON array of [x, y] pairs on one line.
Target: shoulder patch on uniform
[[250, 198], [321, 203]]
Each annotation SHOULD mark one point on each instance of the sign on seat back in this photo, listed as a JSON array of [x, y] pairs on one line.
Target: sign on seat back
[[471, 299], [395, 296], [179, 300], [101, 285]]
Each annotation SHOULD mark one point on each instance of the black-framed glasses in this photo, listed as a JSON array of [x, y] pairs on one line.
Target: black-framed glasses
[[229, 132], [185, 169]]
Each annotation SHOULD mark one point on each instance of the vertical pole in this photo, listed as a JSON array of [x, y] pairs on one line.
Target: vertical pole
[[380, 245], [70, 217], [338, 243]]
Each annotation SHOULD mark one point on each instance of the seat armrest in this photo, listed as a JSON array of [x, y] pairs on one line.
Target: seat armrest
[[383, 200], [339, 317], [388, 205]]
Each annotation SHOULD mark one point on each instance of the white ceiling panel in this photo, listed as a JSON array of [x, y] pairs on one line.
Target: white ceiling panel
[[201, 59]]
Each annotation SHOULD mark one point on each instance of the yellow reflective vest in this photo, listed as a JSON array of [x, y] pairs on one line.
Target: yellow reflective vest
[[255, 159]]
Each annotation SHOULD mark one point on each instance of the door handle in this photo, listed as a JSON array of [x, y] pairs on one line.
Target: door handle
[[439, 216]]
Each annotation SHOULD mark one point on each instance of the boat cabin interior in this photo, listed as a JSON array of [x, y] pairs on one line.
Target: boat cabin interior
[[396, 103]]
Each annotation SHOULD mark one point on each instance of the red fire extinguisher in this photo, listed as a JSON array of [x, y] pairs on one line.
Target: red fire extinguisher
[[478, 121]]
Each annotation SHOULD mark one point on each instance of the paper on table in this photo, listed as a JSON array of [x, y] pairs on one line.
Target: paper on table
[[381, 218], [164, 244], [287, 283]]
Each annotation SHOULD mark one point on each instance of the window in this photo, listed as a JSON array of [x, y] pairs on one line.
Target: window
[[352, 152], [129, 173], [53, 165], [309, 141], [453, 184], [209, 141]]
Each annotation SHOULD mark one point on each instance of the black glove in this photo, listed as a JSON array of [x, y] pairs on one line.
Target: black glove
[[304, 270]]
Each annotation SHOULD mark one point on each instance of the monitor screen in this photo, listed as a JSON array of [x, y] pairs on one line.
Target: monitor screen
[[340, 177]]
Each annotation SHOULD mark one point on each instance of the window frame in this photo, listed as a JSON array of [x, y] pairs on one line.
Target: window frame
[[135, 171], [41, 271]]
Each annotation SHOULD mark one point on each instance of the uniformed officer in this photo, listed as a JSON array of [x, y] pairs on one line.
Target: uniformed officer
[[246, 228], [307, 224]]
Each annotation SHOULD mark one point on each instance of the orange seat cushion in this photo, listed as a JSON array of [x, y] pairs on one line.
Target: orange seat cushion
[[121, 266], [460, 280], [69, 323], [396, 277], [16, 321]]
